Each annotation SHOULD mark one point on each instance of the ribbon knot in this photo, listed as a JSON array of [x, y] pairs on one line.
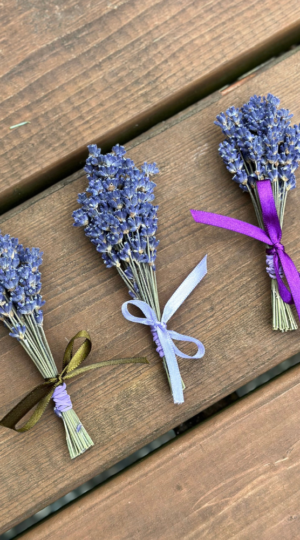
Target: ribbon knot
[[59, 379], [161, 325], [271, 236], [277, 247], [164, 337]]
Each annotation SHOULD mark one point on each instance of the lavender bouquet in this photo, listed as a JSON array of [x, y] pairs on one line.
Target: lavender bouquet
[[121, 221], [262, 151], [21, 312]]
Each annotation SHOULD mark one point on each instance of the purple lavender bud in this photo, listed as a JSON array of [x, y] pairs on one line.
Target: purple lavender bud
[[260, 142], [80, 218], [6, 310], [20, 280], [39, 317], [18, 332]]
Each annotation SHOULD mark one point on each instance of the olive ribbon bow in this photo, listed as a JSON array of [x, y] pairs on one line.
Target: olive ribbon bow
[[42, 394]]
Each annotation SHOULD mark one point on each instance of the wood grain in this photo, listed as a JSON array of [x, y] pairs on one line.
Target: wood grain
[[82, 71], [125, 407], [234, 477]]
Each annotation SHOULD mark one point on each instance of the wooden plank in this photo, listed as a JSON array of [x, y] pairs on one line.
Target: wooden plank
[[82, 71], [235, 477], [123, 408]]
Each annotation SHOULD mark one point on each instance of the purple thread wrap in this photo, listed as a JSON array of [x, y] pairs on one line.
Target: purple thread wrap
[[159, 348], [270, 268], [271, 236], [61, 399]]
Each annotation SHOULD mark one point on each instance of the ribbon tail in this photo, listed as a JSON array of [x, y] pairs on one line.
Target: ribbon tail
[[269, 212], [284, 292], [293, 279], [39, 395], [172, 365], [231, 224], [185, 289], [98, 365]]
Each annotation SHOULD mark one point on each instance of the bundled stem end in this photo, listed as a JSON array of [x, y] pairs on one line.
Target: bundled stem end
[[78, 439], [283, 318]]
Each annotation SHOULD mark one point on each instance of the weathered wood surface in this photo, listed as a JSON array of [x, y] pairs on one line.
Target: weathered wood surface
[[125, 407], [235, 477], [82, 71]]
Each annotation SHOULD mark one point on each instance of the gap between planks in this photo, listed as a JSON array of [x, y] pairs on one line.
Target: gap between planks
[[153, 131], [228, 478], [190, 94]]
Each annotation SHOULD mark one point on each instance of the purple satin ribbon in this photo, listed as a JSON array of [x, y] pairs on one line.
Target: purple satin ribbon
[[271, 236]]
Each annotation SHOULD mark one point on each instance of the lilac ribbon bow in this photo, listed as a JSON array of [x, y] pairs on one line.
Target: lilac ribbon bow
[[271, 236], [162, 335]]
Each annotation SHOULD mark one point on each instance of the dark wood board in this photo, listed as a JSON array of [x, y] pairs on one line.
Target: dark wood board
[[125, 407], [234, 477], [82, 71]]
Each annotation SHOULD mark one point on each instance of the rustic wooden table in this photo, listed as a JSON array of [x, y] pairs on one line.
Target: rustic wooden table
[[149, 74]]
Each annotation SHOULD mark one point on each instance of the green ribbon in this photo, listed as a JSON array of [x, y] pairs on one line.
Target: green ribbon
[[41, 394]]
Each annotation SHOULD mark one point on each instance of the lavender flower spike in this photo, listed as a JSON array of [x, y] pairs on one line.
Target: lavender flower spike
[[119, 217], [21, 312], [260, 143], [117, 213]]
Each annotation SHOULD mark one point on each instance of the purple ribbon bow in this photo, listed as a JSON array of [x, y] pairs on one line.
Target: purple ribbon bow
[[271, 236]]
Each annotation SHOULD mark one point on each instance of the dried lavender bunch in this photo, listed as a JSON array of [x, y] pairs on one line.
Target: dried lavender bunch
[[118, 217], [262, 144], [21, 313]]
